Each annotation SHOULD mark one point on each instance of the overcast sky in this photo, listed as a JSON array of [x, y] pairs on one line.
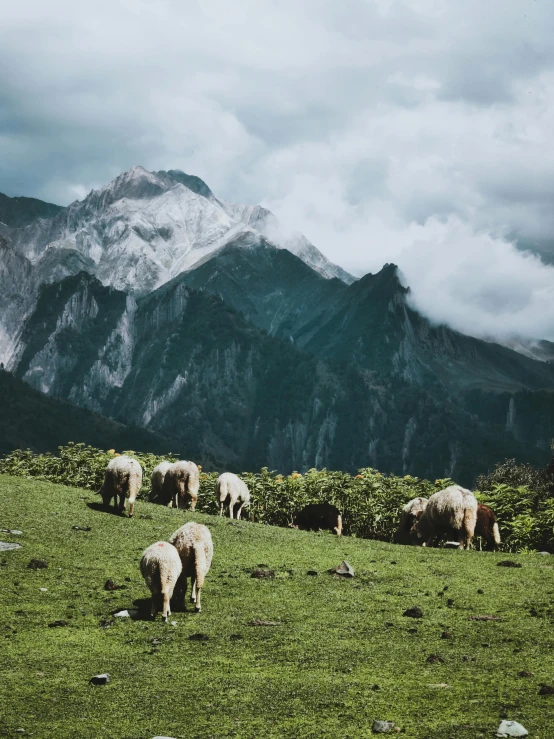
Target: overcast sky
[[413, 131]]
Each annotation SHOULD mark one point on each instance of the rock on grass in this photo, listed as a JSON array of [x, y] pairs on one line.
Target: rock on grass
[[414, 612], [37, 564]]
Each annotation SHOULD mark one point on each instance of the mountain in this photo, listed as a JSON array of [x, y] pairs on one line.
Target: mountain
[[159, 306], [31, 420], [21, 212], [144, 228], [184, 364]]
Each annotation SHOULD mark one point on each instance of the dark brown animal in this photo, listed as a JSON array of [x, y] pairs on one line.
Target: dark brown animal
[[487, 527], [317, 516]]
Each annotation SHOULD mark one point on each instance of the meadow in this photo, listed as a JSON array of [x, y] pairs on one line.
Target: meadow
[[338, 653]]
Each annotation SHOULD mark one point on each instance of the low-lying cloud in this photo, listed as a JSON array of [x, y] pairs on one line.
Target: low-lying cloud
[[419, 132]]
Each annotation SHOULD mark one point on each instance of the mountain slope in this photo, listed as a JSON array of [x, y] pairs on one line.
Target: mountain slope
[[31, 420], [20, 212], [185, 365], [144, 228]]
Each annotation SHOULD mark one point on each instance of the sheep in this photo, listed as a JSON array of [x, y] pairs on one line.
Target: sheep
[[453, 510], [194, 543], [232, 490], [157, 479], [487, 527], [123, 475], [316, 516], [408, 516], [181, 482], [161, 567]]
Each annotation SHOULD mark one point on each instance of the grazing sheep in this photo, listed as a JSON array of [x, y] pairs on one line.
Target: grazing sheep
[[316, 516], [487, 527], [408, 516], [180, 484], [194, 543], [157, 479], [450, 511], [123, 475], [232, 490], [161, 567]]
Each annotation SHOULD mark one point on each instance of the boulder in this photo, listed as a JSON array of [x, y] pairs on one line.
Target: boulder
[[511, 728]]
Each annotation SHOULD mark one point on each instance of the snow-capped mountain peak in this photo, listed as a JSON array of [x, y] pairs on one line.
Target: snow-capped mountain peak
[[144, 228]]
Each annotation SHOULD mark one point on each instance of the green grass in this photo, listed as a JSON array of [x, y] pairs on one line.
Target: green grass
[[314, 675]]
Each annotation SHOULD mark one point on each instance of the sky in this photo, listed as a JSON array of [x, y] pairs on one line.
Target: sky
[[419, 132]]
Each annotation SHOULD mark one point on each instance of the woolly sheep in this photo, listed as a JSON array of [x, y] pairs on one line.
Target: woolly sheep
[[181, 482], [408, 516], [452, 511], [487, 527], [194, 543], [123, 475], [157, 479], [161, 567], [319, 516], [232, 490]]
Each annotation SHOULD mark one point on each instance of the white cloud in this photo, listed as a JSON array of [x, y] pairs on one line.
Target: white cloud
[[413, 131]]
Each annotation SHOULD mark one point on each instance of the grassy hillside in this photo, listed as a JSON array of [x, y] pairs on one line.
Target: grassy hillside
[[341, 655]]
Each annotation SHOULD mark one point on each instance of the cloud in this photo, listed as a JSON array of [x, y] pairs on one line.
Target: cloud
[[414, 131]]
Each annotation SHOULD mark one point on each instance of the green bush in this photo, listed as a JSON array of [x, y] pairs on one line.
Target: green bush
[[370, 501]]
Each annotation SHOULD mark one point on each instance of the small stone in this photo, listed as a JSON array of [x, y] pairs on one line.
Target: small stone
[[414, 612], [375, 687], [446, 635], [7, 546], [525, 673], [146, 516], [438, 685], [508, 563], [511, 728], [174, 623], [198, 637], [451, 545], [37, 564], [16, 532], [544, 554], [20, 731], [235, 637], [54, 624], [480, 591], [43, 590], [313, 573], [128, 613], [382, 727], [546, 689], [450, 603], [81, 528], [435, 659], [412, 631], [344, 569], [102, 679], [394, 562], [110, 585]]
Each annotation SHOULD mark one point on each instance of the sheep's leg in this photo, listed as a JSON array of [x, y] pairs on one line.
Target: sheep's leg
[[121, 502], [154, 605], [131, 507], [239, 512], [221, 505], [231, 508], [198, 607], [193, 594], [192, 503], [166, 608]]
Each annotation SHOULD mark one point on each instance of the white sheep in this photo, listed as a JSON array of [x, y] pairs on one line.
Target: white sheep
[[232, 490], [157, 479], [408, 516], [194, 543], [181, 483], [161, 567], [123, 475], [452, 513]]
